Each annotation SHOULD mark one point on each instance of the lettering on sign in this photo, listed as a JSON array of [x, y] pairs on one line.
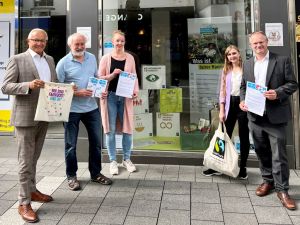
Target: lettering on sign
[[121, 17]]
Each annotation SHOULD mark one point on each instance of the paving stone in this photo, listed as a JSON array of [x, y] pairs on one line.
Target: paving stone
[[7, 185], [174, 217], [269, 200], [131, 220], [5, 205], [46, 222], [204, 185], [205, 196], [111, 215], [52, 211], [236, 205], [148, 193], [208, 211], [124, 185], [238, 219], [295, 219], [145, 208], [233, 190], [95, 190], [85, 205], [3, 171], [273, 215], [12, 194], [180, 202], [118, 199], [198, 222], [154, 183], [76, 219], [180, 188], [221, 179], [10, 178], [64, 196]]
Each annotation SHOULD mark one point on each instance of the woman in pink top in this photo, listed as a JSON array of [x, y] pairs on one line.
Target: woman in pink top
[[230, 111], [116, 111]]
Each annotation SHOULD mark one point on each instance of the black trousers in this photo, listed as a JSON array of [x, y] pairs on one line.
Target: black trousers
[[236, 114]]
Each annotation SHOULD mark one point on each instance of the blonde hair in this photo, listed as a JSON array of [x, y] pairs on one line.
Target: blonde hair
[[118, 32], [228, 65]]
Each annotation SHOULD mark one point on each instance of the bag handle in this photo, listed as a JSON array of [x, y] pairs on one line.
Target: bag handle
[[222, 127]]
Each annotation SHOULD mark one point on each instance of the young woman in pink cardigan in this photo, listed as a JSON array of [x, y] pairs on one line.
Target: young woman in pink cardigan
[[116, 111]]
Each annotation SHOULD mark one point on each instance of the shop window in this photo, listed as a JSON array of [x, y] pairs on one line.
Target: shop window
[[180, 45]]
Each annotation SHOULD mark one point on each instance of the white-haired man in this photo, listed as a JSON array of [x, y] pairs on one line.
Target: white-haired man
[[78, 66]]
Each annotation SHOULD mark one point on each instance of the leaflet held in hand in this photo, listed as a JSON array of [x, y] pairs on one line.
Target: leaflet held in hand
[[97, 86], [125, 85], [255, 99]]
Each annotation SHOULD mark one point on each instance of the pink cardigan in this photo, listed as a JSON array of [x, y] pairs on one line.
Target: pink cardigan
[[104, 70]]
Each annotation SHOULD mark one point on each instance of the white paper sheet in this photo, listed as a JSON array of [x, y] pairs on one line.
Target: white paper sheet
[[255, 99], [126, 84]]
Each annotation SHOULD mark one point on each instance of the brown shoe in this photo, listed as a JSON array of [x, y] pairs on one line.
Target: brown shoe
[[286, 200], [264, 189], [27, 213], [40, 197]]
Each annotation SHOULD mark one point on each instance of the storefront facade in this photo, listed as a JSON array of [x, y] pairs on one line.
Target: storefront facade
[[179, 47]]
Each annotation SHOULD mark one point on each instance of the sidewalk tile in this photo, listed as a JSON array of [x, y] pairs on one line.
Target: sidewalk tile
[[205, 196], [180, 188], [111, 215], [233, 190], [85, 205], [76, 219], [118, 199], [236, 205], [238, 219], [273, 215], [131, 220], [179, 202], [208, 211], [5, 205], [52, 211], [148, 193], [198, 222], [145, 208], [174, 217]]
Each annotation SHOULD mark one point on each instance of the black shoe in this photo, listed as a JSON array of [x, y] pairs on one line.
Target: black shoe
[[210, 172], [243, 174], [101, 179]]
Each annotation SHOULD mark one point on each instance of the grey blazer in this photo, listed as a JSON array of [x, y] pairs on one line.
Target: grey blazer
[[281, 78], [20, 71]]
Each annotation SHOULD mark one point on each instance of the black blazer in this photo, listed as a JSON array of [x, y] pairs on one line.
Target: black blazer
[[281, 78]]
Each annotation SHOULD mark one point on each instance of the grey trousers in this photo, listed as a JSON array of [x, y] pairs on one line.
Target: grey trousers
[[270, 147], [30, 143]]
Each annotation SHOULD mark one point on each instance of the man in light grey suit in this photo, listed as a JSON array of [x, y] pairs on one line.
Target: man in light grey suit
[[25, 75], [269, 131]]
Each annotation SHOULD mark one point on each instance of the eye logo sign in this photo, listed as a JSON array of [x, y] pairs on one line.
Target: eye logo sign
[[152, 77], [219, 148]]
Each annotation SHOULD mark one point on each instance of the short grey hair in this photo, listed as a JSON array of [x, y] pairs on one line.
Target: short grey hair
[[37, 30], [74, 36]]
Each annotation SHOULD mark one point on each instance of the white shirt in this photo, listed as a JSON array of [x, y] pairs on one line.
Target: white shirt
[[236, 79], [41, 65], [260, 70]]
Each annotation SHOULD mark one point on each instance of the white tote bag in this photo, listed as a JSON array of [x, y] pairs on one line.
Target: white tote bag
[[54, 102], [221, 154]]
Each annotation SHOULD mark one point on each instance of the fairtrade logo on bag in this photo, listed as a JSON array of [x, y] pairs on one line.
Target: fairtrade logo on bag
[[219, 148]]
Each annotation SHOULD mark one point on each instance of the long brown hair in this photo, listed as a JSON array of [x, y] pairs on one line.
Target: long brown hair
[[228, 65]]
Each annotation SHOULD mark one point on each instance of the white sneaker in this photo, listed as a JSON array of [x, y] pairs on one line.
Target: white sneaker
[[129, 165], [114, 168]]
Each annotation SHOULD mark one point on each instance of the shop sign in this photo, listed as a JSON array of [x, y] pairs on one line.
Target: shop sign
[[120, 17], [5, 121]]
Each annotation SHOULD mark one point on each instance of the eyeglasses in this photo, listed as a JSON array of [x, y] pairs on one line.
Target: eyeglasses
[[38, 40]]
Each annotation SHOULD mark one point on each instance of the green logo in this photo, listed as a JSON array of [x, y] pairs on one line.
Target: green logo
[[152, 77]]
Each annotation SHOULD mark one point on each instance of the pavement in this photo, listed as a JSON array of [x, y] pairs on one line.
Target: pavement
[[156, 194]]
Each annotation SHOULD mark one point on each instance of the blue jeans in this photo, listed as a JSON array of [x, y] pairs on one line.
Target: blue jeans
[[116, 109], [91, 121]]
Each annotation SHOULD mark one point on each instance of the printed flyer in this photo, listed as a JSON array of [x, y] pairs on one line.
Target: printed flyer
[[141, 103], [171, 100], [168, 124], [153, 76], [97, 86], [126, 84], [143, 126]]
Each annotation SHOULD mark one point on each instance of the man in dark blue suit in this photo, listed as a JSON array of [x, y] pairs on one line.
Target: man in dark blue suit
[[269, 131]]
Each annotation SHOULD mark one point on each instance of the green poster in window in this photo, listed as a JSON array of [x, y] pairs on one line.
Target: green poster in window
[[170, 100]]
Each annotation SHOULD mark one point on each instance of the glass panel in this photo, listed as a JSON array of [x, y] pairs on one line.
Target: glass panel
[[49, 15], [180, 48]]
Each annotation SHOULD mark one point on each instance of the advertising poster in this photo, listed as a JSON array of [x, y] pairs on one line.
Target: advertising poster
[[143, 126], [170, 100], [87, 31], [153, 76], [168, 124], [274, 32], [125, 85], [5, 121], [141, 103], [207, 40], [4, 52]]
